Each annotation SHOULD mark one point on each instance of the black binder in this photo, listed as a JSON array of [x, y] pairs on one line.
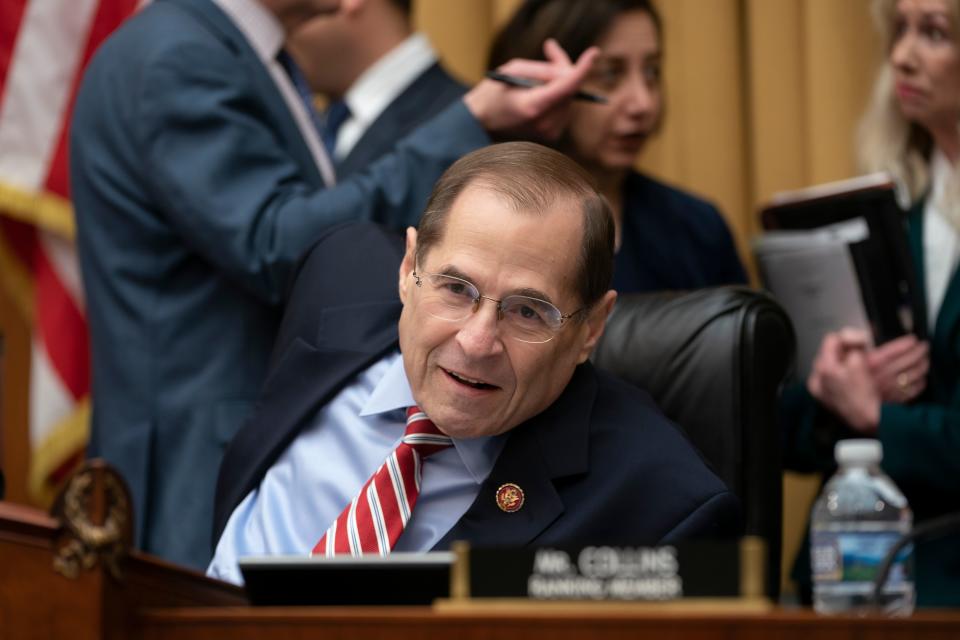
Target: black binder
[[882, 261]]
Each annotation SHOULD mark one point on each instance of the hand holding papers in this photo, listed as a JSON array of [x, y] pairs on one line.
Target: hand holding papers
[[813, 276], [836, 256]]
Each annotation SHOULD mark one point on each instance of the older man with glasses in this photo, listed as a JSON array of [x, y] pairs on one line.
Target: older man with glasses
[[475, 417]]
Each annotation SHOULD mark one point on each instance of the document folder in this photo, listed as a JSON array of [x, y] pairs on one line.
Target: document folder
[[837, 255]]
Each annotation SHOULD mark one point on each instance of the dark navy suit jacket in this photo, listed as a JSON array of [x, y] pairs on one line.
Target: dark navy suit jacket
[[196, 197], [601, 464], [429, 94], [672, 240]]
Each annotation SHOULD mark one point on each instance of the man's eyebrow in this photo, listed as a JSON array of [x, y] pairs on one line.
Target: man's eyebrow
[[532, 293], [450, 270]]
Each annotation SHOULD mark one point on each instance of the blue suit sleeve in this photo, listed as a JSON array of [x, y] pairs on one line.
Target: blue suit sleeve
[[718, 517], [218, 171]]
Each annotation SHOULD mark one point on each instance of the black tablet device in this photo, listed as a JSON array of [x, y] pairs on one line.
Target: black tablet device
[[397, 579]]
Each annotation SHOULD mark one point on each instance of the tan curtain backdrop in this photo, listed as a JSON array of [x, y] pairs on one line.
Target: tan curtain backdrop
[[763, 95]]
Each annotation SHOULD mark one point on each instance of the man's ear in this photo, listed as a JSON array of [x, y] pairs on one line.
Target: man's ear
[[596, 321], [408, 264]]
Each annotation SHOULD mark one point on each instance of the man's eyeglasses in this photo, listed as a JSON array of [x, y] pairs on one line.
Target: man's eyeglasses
[[524, 318]]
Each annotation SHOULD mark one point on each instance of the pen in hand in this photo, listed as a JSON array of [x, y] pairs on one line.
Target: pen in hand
[[517, 81]]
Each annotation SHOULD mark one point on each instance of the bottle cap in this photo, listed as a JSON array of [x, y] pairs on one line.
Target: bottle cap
[[862, 451]]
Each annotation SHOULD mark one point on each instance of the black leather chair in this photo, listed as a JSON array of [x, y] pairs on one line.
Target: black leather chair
[[714, 360]]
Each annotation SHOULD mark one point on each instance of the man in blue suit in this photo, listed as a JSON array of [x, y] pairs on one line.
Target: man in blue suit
[[503, 292], [388, 79], [199, 180]]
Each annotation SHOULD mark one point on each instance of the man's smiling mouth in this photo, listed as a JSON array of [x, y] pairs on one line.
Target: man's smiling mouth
[[470, 382]]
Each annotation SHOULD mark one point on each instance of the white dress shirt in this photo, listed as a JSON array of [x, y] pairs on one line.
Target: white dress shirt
[[941, 240], [379, 86], [325, 467], [265, 34]]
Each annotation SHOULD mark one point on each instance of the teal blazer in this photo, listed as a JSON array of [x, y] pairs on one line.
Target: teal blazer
[[921, 440]]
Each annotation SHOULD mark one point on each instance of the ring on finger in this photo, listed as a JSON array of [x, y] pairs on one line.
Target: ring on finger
[[903, 381]]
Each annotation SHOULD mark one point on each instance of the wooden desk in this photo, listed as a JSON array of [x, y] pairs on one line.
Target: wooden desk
[[37, 599], [547, 624], [154, 600]]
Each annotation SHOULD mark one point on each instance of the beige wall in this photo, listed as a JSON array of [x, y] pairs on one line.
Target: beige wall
[[763, 95]]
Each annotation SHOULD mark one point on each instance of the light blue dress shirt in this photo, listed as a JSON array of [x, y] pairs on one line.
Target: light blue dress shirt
[[328, 463]]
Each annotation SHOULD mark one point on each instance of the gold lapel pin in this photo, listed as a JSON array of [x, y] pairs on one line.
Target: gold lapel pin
[[510, 497]]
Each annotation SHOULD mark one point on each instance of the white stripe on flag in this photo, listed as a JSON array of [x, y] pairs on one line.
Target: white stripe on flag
[[46, 57], [62, 254], [50, 400]]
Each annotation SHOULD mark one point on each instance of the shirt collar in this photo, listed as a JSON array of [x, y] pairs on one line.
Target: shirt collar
[[261, 28], [388, 77], [392, 393]]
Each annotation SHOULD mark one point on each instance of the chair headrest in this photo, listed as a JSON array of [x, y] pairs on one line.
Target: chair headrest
[[707, 357]]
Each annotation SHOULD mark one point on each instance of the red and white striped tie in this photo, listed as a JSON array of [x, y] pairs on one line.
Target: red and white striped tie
[[374, 520]]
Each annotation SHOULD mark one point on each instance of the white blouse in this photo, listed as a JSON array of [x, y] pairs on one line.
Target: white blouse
[[941, 240]]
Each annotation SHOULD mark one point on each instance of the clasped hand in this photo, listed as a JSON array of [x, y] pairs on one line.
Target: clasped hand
[[853, 378]]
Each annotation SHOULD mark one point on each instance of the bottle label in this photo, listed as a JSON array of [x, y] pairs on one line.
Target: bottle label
[[849, 561]]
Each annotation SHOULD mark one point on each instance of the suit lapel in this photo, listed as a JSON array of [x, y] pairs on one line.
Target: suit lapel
[[945, 326], [944, 347], [552, 445], [309, 375], [915, 237], [227, 32], [948, 315], [426, 95], [304, 379]]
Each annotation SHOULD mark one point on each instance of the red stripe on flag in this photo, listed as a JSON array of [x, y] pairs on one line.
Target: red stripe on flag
[[11, 14], [63, 471], [21, 239], [110, 13], [62, 329]]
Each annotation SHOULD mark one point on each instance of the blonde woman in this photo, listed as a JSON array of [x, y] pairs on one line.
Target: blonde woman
[[906, 393]]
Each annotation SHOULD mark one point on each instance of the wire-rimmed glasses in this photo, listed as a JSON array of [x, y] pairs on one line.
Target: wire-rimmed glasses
[[525, 318]]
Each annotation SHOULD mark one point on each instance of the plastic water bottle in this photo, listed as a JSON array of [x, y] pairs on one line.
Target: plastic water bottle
[[856, 520]]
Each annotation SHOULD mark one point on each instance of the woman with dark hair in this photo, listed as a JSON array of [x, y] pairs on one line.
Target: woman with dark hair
[[665, 238]]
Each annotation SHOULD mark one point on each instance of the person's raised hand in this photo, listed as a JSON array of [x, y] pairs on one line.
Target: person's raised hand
[[540, 112]]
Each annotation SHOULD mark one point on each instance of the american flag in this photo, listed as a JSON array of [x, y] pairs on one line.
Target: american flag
[[44, 47]]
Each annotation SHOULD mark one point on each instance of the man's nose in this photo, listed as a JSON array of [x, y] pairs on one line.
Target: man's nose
[[480, 334]]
